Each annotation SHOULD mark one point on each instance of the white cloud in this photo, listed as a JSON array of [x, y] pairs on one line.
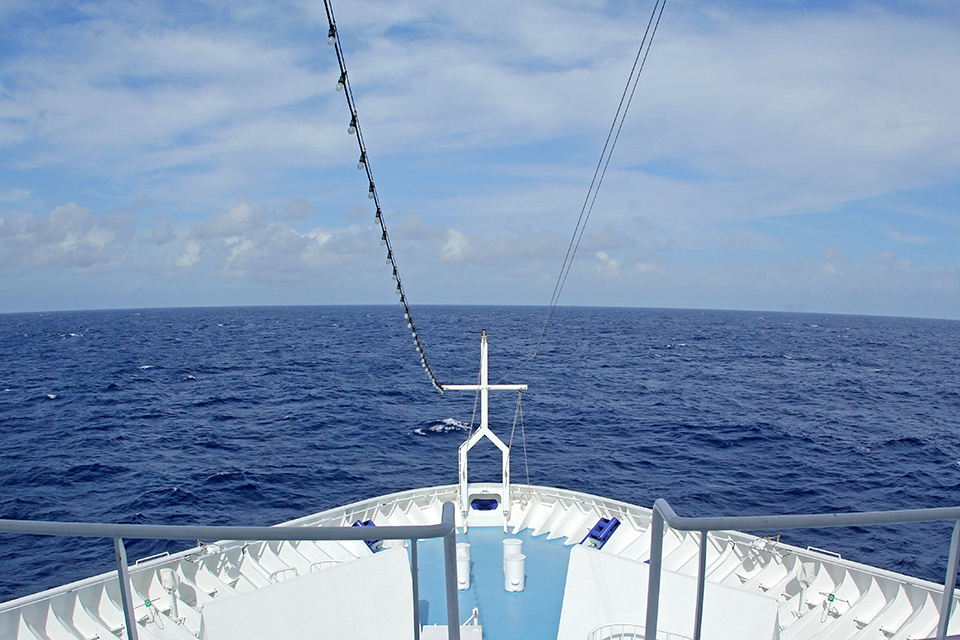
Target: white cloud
[[163, 230], [795, 110], [234, 222], [14, 195], [456, 248], [915, 239], [69, 237], [607, 266], [190, 255]]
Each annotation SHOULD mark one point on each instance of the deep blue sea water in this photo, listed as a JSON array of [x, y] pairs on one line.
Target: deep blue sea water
[[253, 416]]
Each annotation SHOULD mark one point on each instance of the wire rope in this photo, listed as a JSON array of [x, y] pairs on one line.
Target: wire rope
[[518, 412], [613, 135], [333, 38], [476, 397]]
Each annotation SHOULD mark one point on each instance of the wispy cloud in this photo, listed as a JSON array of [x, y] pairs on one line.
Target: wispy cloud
[[14, 195], [913, 239], [483, 124]]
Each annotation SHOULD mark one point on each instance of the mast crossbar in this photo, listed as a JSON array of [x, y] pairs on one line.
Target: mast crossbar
[[484, 387]]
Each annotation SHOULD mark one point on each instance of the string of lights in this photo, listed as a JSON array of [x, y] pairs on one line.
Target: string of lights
[[343, 85]]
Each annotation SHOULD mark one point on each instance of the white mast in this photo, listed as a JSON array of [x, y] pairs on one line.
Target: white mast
[[484, 431]]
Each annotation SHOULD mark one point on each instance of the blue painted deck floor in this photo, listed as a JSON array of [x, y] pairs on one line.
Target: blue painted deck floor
[[532, 614]]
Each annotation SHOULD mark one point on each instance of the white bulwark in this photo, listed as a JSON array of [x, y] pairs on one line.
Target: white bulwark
[[465, 498]]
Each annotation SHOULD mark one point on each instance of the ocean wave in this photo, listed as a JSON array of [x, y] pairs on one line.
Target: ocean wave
[[447, 425], [756, 414]]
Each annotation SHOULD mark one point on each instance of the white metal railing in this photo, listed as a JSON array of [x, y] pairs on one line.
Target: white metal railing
[[624, 631], [664, 513], [446, 529]]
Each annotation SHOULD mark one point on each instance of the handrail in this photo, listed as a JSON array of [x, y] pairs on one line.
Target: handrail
[[664, 513], [446, 529]]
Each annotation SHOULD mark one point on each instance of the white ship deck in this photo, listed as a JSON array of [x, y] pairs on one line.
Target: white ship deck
[[865, 603]]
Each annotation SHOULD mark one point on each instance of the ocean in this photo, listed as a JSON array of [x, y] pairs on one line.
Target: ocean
[[254, 416]]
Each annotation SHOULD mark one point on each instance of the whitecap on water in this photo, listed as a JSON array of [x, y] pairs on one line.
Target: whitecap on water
[[52, 396], [443, 426], [145, 366]]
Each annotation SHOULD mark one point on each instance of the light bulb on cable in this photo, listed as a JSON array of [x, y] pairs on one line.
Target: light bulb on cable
[[370, 193], [332, 35], [363, 161], [342, 81], [352, 129]]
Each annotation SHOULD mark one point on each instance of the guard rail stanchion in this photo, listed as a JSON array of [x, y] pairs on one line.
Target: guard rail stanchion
[[123, 577], [653, 584], [450, 568], [950, 583], [415, 573], [701, 582]]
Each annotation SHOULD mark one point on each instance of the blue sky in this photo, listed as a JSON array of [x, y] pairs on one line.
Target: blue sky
[[796, 156]]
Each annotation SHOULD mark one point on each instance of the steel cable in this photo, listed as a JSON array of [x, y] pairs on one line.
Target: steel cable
[[613, 135]]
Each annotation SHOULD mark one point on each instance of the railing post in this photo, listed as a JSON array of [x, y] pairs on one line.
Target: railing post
[[653, 585], [949, 584], [701, 581], [416, 588], [125, 595], [450, 569]]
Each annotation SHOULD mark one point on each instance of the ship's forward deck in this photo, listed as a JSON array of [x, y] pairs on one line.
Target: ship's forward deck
[[808, 594], [533, 613]]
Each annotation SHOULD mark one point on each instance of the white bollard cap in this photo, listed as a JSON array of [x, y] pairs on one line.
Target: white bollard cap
[[463, 565], [514, 569], [511, 546]]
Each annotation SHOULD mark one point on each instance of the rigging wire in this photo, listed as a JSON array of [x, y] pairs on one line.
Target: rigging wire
[[343, 84], [518, 412], [523, 435], [613, 135], [586, 209], [476, 398]]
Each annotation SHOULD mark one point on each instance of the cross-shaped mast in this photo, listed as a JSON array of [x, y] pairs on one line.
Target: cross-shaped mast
[[484, 431]]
